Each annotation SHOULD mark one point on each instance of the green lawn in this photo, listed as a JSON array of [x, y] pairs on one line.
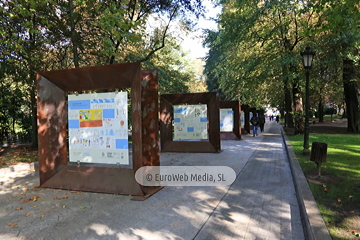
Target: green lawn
[[339, 197]]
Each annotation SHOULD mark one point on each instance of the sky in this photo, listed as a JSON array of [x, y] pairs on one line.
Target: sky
[[193, 42]]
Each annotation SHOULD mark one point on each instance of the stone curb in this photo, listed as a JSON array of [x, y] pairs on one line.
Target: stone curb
[[19, 167], [314, 225]]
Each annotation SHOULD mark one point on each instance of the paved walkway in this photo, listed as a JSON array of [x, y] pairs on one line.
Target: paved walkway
[[260, 204]]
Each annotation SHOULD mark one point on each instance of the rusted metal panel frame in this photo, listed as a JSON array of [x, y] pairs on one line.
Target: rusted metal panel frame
[[54, 171], [166, 116], [245, 109], [113, 76], [150, 118], [52, 124], [236, 133]]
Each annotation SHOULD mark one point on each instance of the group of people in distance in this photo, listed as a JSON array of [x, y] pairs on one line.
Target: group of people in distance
[[259, 121], [277, 118]]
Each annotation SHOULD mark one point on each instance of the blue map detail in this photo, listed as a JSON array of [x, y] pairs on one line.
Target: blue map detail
[[203, 119], [180, 110], [73, 123], [121, 144], [78, 104], [108, 113]]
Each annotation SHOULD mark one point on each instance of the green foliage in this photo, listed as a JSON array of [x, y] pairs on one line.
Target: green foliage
[[255, 52], [53, 34]]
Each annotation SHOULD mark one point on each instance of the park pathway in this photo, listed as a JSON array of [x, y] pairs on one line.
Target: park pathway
[[261, 203]]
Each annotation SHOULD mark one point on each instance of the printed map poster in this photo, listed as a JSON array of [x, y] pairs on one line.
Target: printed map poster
[[190, 122], [226, 120], [98, 128]]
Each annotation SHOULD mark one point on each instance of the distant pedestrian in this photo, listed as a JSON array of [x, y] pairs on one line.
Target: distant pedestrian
[[255, 122], [277, 118], [261, 119]]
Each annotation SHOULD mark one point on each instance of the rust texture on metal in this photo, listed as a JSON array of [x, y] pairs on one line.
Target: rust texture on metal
[[167, 114], [150, 119], [236, 133], [246, 110], [52, 121], [55, 172]]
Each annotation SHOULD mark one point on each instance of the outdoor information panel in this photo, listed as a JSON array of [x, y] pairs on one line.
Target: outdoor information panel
[[226, 120], [190, 122], [98, 128], [242, 120]]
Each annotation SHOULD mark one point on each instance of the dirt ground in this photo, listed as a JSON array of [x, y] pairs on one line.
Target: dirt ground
[[334, 127], [17, 154]]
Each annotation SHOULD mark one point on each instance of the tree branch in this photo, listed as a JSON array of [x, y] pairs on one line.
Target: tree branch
[[163, 38]]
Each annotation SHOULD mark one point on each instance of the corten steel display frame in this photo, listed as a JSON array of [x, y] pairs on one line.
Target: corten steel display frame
[[236, 132], [212, 145], [246, 110], [52, 125]]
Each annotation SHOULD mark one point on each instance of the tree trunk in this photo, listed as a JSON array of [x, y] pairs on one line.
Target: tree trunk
[[74, 38], [288, 109], [34, 137], [351, 98], [33, 86], [298, 109], [320, 111]]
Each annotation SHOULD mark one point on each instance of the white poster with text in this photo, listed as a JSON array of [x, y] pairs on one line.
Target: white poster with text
[[98, 128], [190, 122]]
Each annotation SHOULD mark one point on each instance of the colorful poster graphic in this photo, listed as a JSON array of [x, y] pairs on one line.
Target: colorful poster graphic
[[190, 122], [98, 128], [226, 120]]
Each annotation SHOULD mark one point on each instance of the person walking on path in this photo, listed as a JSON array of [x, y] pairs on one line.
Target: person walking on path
[[255, 122], [277, 118], [261, 122]]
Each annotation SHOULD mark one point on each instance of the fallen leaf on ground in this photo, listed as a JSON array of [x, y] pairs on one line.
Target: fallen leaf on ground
[[42, 216], [351, 196], [82, 207], [338, 200], [26, 189], [4, 210], [56, 198], [35, 198], [19, 208], [63, 206], [75, 191], [27, 215], [12, 224], [65, 197]]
